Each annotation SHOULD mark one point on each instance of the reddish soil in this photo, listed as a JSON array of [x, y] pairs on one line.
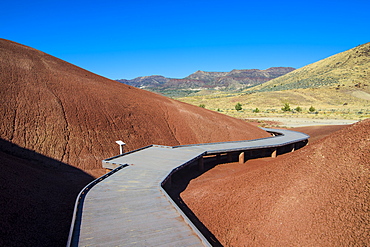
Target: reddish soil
[[319, 132], [56, 116], [316, 196], [74, 116]]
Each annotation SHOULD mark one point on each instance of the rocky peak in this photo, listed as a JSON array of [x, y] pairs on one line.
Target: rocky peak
[[234, 79]]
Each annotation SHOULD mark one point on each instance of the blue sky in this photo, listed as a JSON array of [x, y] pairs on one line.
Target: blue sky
[[127, 39]]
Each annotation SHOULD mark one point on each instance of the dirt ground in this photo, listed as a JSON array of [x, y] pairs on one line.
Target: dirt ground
[[316, 196], [293, 122]]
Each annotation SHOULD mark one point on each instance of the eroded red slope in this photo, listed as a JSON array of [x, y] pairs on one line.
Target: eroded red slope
[[316, 196], [67, 113]]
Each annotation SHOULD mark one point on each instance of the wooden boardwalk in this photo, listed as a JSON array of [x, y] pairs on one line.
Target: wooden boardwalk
[[131, 208]]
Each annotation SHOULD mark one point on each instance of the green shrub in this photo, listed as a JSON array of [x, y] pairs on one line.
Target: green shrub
[[256, 110], [312, 109], [286, 107], [202, 105], [298, 109], [238, 106]]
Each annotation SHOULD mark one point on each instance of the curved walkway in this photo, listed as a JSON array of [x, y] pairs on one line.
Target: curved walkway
[[129, 206]]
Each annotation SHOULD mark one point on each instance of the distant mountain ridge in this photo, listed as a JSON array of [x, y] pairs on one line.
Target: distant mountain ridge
[[235, 79]]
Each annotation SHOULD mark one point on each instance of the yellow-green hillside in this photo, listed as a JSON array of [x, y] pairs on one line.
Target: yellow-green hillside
[[337, 87], [344, 69]]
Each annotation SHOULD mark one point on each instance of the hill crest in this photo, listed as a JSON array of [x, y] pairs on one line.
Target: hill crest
[[347, 68], [72, 115]]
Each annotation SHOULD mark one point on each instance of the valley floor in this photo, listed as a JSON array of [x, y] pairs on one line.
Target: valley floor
[[300, 122]]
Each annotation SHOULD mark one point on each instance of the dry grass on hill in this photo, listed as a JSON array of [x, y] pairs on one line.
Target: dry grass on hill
[[348, 68], [329, 103], [337, 87]]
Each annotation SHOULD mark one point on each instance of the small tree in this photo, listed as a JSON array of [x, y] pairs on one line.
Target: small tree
[[286, 107], [202, 105], [312, 109], [238, 106], [298, 109], [256, 110]]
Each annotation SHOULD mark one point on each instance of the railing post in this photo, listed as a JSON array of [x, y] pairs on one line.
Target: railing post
[[241, 158], [201, 164], [218, 158], [274, 151], [229, 157]]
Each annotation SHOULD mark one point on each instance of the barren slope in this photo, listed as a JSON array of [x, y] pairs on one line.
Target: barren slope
[[316, 196], [75, 116]]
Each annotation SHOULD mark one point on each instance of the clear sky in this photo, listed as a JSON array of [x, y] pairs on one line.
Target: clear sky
[[127, 39]]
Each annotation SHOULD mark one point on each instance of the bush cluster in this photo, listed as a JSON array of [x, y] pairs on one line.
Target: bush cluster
[[287, 108]]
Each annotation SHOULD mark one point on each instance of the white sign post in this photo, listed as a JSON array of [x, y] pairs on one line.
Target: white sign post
[[121, 144]]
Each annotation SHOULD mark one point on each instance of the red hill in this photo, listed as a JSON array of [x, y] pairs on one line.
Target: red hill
[[316, 196], [55, 115], [74, 116]]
